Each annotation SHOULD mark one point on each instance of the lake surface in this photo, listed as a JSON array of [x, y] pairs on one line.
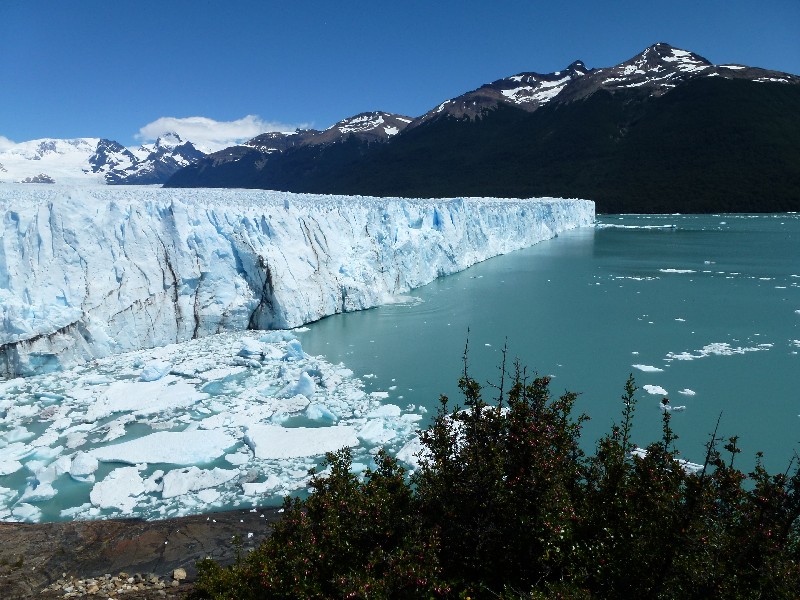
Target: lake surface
[[702, 309], [713, 301]]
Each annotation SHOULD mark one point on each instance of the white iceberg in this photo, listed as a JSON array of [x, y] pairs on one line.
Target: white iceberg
[[181, 481], [274, 441], [170, 447]]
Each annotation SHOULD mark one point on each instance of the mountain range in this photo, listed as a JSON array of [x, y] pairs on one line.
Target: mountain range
[[95, 161], [666, 131]]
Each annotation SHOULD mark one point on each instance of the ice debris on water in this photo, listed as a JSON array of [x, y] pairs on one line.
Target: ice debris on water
[[209, 432]]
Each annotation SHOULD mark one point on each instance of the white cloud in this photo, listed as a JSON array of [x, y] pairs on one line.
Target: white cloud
[[5, 143], [210, 135]]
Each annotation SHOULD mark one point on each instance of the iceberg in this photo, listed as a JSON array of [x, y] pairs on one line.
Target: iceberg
[[192, 479], [173, 447], [90, 272], [274, 441]]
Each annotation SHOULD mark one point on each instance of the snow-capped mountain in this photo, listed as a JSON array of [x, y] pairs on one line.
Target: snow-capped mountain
[[528, 91], [83, 161], [155, 163], [235, 166], [375, 126], [665, 131], [656, 70]]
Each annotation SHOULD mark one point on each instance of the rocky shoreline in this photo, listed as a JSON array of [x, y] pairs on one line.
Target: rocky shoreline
[[128, 559]]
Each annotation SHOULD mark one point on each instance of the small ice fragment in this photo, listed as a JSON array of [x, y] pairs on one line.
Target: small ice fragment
[[687, 392], [655, 390], [258, 489], [376, 432], [385, 410], [181, 481], [412, 452], [118, 490], [26, 512], [238, 459], [155, 370], [83, 467], [648, 368], [250, 348], [18, 434], [319, 412], [294, 351], [7, 467], [304, 386]]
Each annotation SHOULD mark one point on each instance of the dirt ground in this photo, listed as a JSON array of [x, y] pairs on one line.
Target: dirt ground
[[35, 556]]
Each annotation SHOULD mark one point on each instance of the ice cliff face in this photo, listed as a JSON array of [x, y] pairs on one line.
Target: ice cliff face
[[87, 272]]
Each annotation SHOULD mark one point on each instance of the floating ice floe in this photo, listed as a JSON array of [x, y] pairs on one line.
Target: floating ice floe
[[716, 349], [655, 390], [155, 370], [235, 419], [690, 467], [186, 447], [669, 408], [687, 392], [648, 368], [275, 441]]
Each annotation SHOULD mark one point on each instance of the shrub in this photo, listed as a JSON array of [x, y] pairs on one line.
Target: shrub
[[505, 504]]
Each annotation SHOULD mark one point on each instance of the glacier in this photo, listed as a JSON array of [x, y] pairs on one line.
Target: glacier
[[88, 272], [182, 407]]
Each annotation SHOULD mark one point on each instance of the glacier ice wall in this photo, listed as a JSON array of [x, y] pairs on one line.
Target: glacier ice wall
[[87, 272]]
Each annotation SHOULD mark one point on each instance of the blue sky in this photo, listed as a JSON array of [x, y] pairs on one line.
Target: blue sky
[[89, 68]]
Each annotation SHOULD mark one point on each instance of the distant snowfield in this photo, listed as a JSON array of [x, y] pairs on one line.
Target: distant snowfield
[[90, 272], [112, 301]]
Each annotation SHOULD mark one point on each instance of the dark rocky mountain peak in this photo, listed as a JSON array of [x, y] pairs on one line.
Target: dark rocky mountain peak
[[376, 126], [110, 155]]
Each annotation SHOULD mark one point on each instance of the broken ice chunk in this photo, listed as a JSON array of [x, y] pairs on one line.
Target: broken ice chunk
[[119, 489], [155, 370], [251, 348], [274, 441], [181, 481], [319, 412], [172, 447], [83, 467]]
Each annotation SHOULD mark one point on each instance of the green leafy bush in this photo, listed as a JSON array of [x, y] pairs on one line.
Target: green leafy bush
[[505, 504]]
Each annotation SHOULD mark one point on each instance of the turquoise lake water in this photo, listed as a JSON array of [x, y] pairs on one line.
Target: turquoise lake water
[[713, 301]]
